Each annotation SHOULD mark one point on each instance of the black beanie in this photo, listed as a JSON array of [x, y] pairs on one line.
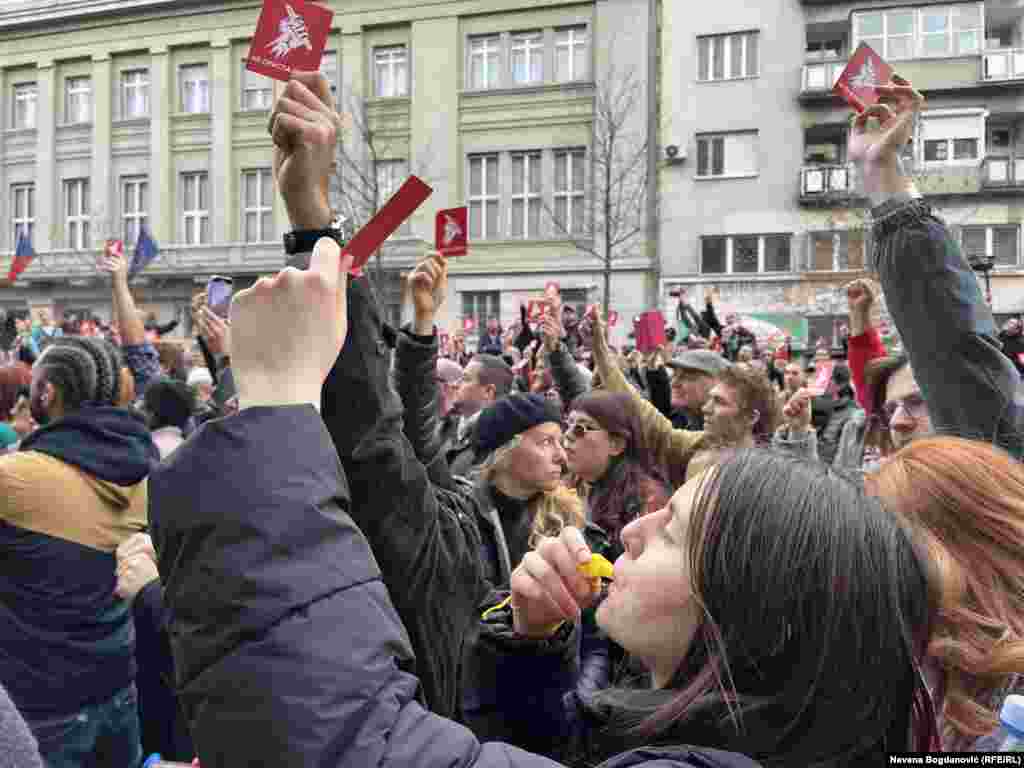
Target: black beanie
[[510, 416]]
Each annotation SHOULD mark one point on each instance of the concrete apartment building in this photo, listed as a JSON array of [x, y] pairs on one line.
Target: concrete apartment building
[[140, 112], [759, 202]]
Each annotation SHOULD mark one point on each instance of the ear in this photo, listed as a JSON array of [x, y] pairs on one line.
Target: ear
[[755, 416], [618, 444]]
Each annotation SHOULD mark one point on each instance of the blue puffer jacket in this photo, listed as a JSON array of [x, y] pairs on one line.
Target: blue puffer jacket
[[288, 650]]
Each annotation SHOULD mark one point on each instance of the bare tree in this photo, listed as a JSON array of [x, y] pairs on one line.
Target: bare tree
[[616, 192], [358, 187]]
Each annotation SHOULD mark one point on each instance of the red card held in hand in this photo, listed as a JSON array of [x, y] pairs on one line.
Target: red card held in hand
[[649, 329], [858, 85], [400, 207], [451, 236], [290, 36]]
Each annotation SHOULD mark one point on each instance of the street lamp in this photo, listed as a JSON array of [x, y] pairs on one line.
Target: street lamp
[[983, 263]]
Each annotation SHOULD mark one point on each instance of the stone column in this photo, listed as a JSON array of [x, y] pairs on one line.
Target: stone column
[[224, 205], [162, 183], [49, 223], [104, 211]]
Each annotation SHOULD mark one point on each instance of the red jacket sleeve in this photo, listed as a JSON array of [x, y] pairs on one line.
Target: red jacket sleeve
[[862, 350]]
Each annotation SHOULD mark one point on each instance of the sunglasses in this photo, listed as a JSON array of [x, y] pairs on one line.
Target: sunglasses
[[578, 431], [914, 405]]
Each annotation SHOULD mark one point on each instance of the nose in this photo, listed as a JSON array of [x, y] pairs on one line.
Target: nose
[[560, 457]]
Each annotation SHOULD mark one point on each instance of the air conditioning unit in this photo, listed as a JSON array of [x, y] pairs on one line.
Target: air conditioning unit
[[674, 154]]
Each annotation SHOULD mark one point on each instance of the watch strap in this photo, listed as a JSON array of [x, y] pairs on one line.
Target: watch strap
[[302, 240]]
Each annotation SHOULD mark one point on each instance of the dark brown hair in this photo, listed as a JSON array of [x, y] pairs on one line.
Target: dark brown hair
[[755, 393]]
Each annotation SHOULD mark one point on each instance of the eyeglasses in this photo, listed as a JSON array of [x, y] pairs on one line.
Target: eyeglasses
[[914, 405], [577, 430]]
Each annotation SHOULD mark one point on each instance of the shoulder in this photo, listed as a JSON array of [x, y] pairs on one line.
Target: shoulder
[[680, 757]]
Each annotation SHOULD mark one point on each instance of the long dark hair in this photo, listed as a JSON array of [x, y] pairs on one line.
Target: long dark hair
[[817, 608], [620, 496]]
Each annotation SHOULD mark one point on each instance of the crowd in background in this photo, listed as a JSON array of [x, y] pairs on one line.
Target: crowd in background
[[319, 540]]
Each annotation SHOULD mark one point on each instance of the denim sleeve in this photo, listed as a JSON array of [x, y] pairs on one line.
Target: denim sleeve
[[144, 363], [948, 331]]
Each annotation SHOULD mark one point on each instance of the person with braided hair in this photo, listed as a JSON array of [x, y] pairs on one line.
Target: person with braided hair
[[73, 492]]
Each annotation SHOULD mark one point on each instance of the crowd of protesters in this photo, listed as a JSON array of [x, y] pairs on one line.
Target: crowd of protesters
[[317, 540]]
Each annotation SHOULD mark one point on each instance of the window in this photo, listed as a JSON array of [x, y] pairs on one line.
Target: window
[[25, 98], [329, 69], [525, 197], [953, 137], [76, 211], [571, 53], [1002, 242], [484, 199], [78, 100], [256, 91], [745, 254], [483, 62], [730, 154], [391, 71], [837, 251], [727, 57], [195, 88], [906, 33], [257, 206], [824, 49], [481, 306], [134, 204], [570, 191], [390, 176], [23, 210], [527, 58], [196, 208], [134, 93]]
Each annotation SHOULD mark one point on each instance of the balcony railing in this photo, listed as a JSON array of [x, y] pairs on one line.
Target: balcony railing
[[1003, 172], [822, 75], [823, 180], [1003, 64]]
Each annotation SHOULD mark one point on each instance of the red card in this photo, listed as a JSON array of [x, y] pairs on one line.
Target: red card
[[290, 36], [822, 377], [468, 324], [400, 207], [1020, 358], [115, 248], [613, 318], [451, 231], [858, 85], [649, 329], [537, 309]]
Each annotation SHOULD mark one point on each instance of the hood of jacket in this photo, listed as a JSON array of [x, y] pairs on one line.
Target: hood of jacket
[[109, 444], [683, 756]]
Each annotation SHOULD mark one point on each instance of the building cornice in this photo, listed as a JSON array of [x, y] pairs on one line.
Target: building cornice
[[50, 12]]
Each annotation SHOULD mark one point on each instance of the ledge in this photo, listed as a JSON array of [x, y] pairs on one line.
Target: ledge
[[518, 90], [727, 177]]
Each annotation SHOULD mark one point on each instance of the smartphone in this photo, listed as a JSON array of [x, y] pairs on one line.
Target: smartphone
[[218, 294]]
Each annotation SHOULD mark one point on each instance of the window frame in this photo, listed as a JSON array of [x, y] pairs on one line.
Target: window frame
[[28, 221], [952, 34], [389, 174], [531, 44], [526, 198], [261, 207], [989, 231], [332, 77], [707, 43], [572, 44], [27, 92], [729, 253], [140, 216], [571, 193], [486, 196], [473, 299], [391, 63], [143, 87], [76, 235], [182, 70], [709, 140], [247, 89], [838, 237], [194, 215], [472, 54], [79, 86]]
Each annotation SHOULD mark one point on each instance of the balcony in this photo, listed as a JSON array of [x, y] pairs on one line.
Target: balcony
[[820, 76], [1003, 173], [826, 184], [1002, 64]]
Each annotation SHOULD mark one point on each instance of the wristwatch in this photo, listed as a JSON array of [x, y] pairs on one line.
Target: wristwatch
[[303, 240]]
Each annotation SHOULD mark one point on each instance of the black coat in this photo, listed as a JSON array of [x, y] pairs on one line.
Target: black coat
[[288, 648]]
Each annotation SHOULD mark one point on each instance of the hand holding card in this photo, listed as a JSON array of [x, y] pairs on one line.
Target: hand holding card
[[290, 37]]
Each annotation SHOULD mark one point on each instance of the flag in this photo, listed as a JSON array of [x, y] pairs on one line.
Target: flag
[[146, 250], [23, 255]]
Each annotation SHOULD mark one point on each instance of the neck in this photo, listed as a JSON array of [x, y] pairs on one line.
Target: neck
[[512, 488]]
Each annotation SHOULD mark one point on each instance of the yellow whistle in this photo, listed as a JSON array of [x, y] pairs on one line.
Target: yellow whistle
[[598, 568]]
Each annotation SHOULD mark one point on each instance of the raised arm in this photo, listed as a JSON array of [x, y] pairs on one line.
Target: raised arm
[[140, 356], [932, 294], [865, 343], [568, 379]]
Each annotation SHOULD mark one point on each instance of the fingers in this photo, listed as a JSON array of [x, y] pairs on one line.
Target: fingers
[[545, 581], [317, 84], [327, 263]]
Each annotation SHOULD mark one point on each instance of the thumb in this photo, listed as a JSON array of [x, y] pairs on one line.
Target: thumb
[[326, 261]]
